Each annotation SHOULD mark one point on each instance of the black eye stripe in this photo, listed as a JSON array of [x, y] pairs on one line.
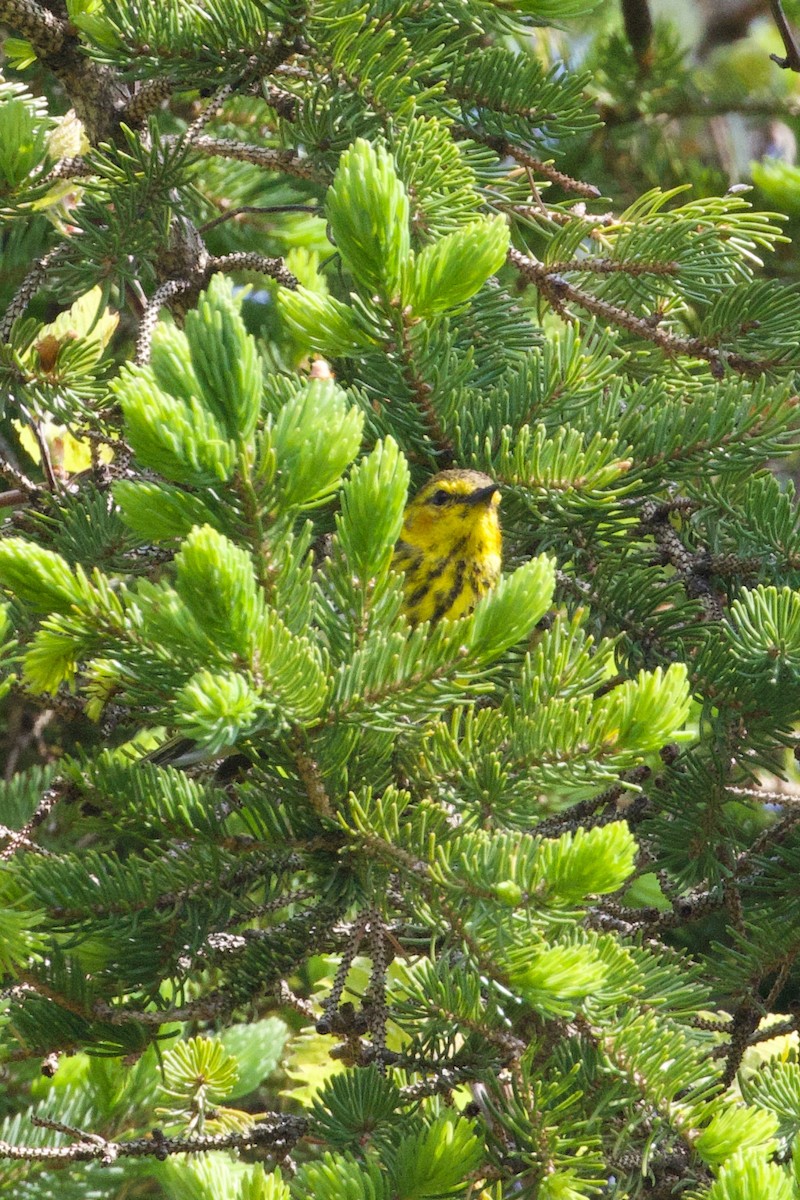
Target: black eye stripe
[[441, 496]]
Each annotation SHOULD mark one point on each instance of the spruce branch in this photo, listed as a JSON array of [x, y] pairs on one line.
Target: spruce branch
[[22, 838], [24, 491], [639, 29], [256, 68], [534, 113], [16, 498], [575, 816], [246, 209], [147, 98], [248, 261], [612, 266], [311, 777], [29, 736], [240, 876], [774, 1030], [285, 104], [422, 394], [771, 1029], [211, 1007], [539, 212], [67, 168], [279, 1134], [289, 162], [44, 450], [329, 1022], [288, 999], [30, 286], [732, 896], [97, 94], [43, 29], [710, 1024], [690, 906], [781, 976], [507, 149], [787, 799], [744, 1022], [201, 266], [702, 107], [295, 71], [558, 292], [20, 842], [160, 298], [439, 1080], [213, 107], [791, 60], [767, 840], [375, 1000], [692, 568]]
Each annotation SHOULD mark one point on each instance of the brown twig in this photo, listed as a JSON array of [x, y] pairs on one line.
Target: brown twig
[[44, 449], [212, 1007], [274, 1133], [67, 168], [271, 159], [506, 149], [791, 61], [284, 103], [21, 838], [97, 92], [21, 842], [422, 394], [612, 266], [161, 297], [691, 568], [15, 498], [29, 287], [572, 818], [639, 30], [146, 99], [745, 1021], [21, 482], [246, 261], [558, 291], [311, 209], [311, 777]]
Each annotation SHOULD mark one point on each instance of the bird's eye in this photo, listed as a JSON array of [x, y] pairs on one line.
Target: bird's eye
[[439, 498]]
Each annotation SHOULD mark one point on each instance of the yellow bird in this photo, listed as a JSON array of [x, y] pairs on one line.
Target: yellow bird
[[450, 546]]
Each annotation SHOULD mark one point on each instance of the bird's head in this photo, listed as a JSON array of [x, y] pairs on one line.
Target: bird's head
[[458, 501]]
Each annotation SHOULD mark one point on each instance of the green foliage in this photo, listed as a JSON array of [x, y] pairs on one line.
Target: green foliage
[[324, 322], [590, 863], [435, 1162], [23, 133], [765, 631], [493, 907], [368, 210], [372, 501], [316, 436], [736, 1129], [342, 1178], [198, 1069], [745, 1178], [449, 272]]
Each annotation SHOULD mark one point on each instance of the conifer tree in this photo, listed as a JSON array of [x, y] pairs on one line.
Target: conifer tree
[[503, 907]]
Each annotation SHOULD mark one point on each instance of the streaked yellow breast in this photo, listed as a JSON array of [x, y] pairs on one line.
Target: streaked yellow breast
[[450, 558]]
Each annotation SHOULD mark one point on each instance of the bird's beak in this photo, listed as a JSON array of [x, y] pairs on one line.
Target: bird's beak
[[484, 495]]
